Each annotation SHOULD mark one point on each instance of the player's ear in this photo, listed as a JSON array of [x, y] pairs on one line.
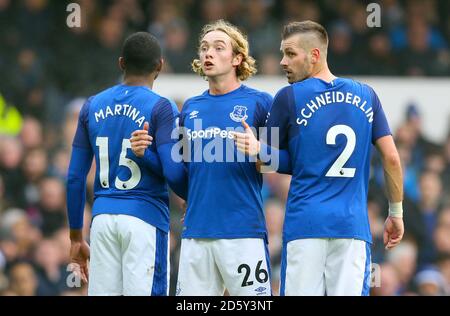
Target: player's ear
[[159, 68], [237, 60], [315, 55], [122, 63], [160, 65]]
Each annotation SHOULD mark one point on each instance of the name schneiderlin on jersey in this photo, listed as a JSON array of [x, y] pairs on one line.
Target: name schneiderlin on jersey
[[333, 97]]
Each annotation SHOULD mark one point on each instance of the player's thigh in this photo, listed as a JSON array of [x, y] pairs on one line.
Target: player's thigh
[[198, 274], [244, 265], [105, 265], [303, 267], [348, 267], [144, 257]]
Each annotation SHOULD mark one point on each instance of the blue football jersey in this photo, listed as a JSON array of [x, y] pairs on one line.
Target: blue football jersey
[[224, 198], [328, 130], [123, 184]]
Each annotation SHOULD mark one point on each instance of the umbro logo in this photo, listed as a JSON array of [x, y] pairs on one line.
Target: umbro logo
[[261, 290], [193, 114]]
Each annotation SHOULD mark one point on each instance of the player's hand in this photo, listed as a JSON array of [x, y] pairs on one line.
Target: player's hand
[[140, 140], [246, 142], [393, 232], [79, 257]]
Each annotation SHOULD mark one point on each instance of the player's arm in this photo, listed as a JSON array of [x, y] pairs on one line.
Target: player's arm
[[272, 159], [394, 228], [163, 122], [392, 168], [272, 149], [166, 118], [140, 141], [382, 138], [79, 166], [161, 163], [268, 155]]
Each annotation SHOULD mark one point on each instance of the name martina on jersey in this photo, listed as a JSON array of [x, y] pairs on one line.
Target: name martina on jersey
[[120, 109], [332, 97]]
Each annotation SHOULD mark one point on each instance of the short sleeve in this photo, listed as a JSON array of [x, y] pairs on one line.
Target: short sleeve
[[279, 118], [183, 113], [380, 126], [262, 110]]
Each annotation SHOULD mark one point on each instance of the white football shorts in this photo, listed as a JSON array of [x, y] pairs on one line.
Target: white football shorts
[[209, 266], [128, 257], [325, 266]]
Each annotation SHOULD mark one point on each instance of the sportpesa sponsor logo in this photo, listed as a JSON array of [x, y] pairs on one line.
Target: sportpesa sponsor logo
[[218, 145], [208, 133]]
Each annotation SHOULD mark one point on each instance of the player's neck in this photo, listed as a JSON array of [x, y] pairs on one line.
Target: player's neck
[[324, 73], [223, 85], [146, 81]]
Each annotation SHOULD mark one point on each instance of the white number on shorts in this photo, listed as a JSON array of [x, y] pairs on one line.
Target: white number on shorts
[[102, 143], [337, 169], [258, 272]]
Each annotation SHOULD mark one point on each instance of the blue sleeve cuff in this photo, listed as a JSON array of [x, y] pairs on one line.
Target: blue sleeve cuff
[[277, 160], [174, 171], [152, 162]]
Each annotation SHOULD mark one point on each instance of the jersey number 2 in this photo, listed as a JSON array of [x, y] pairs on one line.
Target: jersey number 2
[[337, 169], [102, 143]]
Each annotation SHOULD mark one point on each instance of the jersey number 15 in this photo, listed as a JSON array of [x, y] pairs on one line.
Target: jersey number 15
[[133, 181]]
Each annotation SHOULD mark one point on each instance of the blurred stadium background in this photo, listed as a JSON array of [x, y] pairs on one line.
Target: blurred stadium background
[[48, 69]]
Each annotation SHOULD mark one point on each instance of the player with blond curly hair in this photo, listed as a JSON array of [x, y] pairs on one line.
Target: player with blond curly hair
[[240, 48], [224, 240]]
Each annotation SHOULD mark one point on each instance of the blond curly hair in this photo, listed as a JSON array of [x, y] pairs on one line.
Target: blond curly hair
[[239, 43]]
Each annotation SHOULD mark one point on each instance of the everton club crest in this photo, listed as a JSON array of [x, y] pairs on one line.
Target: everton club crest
[[239, 113]]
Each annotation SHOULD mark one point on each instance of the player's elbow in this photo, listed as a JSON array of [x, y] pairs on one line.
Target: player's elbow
[[177, 179], [76, 180], [175, 176], [75, 177], [179, 187], [392, 161], [173, 180]]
